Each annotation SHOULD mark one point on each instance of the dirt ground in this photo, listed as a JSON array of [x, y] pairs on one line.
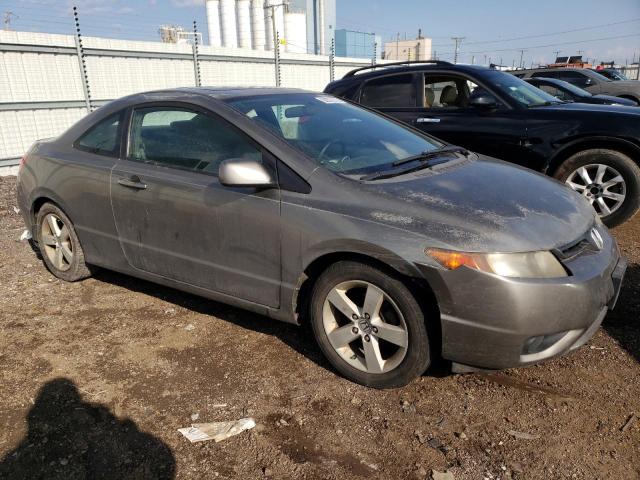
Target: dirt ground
[[97, 376]]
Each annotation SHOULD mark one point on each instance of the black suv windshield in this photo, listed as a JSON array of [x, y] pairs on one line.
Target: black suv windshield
[[336, 134], [519, 90]]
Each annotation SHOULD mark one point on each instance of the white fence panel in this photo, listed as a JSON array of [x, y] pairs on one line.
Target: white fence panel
[[41, 83]]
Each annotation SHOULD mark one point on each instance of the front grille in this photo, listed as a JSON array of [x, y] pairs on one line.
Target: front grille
[[584, 245]]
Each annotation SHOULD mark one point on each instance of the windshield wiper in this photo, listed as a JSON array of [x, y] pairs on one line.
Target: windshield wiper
[[546, 104], [426, 155]]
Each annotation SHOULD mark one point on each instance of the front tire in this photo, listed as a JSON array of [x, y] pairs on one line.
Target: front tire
[[369, 325], [608, 179], [59, 245]]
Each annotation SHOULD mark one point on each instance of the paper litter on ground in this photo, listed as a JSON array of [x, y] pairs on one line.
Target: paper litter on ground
[[217, 431]]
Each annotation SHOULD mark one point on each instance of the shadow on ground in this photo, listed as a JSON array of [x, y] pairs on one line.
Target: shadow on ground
[[70, 439], [298, 338], [623, 323]]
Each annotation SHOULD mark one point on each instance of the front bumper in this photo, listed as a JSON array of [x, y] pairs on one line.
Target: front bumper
[[492, 322]]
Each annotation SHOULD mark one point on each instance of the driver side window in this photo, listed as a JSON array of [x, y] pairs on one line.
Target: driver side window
[[186, 139]]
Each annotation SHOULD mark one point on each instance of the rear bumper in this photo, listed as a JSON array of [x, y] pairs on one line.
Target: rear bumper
[[495, 322]]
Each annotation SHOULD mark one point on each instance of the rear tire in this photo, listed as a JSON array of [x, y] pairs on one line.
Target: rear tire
[[608, 179], [59, 245], [387, 345]]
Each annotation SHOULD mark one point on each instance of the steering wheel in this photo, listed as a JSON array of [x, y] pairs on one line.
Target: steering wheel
[[324, 151]]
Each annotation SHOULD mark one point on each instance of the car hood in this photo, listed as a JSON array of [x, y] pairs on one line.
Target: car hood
[[611, 98], [587, 108], [626, 84], [482, 205]]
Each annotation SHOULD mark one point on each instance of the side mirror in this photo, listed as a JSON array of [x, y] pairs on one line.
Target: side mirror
[[588, 82], [240, 172], [483, 101]]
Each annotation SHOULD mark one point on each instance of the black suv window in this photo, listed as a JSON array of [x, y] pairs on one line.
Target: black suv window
[[577, 78], [447, 91], [390, 91], [104, 137], [186, 139]]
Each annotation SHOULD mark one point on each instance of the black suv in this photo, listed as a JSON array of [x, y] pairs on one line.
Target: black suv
[[595, 149]]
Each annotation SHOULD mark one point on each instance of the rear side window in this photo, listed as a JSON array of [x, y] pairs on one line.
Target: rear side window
[[104, 137], [390, 91], [546, 74], [181, 138]]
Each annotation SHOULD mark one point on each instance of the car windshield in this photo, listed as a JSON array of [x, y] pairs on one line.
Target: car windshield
[[615, 74], [525, 94], [341, 136], [577, 91]]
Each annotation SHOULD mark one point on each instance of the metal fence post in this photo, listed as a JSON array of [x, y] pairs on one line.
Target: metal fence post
[[196, 60], [81, 63], [332, 61], [276, 55]]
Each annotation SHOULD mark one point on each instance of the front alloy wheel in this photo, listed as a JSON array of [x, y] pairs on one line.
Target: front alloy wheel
[[602, 186], [365, 327], [369, 325], [608, 179]]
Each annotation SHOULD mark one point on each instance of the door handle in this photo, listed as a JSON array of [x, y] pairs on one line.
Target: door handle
[[427, 120], [132, 182]]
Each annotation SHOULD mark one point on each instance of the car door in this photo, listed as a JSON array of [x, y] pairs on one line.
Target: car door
[[174, 218], [442, 109]]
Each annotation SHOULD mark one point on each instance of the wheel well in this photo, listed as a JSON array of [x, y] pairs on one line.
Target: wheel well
[[419, 287], [623, 146], [37, 205]]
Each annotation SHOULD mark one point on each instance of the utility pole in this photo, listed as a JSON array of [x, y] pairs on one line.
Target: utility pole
[[276, 36], [521, 56], [557, 52], [458, 41], [7, 20], [398, 46], [485, 59]]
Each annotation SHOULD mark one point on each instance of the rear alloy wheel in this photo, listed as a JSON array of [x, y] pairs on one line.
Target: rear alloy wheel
[[59, 245], [609, 181], [369, 325]]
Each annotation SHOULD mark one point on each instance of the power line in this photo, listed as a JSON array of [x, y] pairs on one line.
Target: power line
[[558, 44]]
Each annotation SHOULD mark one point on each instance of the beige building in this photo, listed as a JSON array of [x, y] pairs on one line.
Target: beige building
[[417, 49]]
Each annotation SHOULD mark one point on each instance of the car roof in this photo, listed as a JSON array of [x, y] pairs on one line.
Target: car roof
[[218, 93], [588, 71], [409, 67]]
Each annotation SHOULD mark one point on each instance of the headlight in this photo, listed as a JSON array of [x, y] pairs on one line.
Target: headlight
[[519, 265]]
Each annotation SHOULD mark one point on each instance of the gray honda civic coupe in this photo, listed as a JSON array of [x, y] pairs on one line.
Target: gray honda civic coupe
[[396, 247]]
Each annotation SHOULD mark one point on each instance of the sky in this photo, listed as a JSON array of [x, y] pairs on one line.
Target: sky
[[499, 29]]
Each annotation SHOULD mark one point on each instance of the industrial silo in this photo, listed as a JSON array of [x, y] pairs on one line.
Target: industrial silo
[[228, 23], [295, 32], [213, 22], [243, 16], [258, 19]]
